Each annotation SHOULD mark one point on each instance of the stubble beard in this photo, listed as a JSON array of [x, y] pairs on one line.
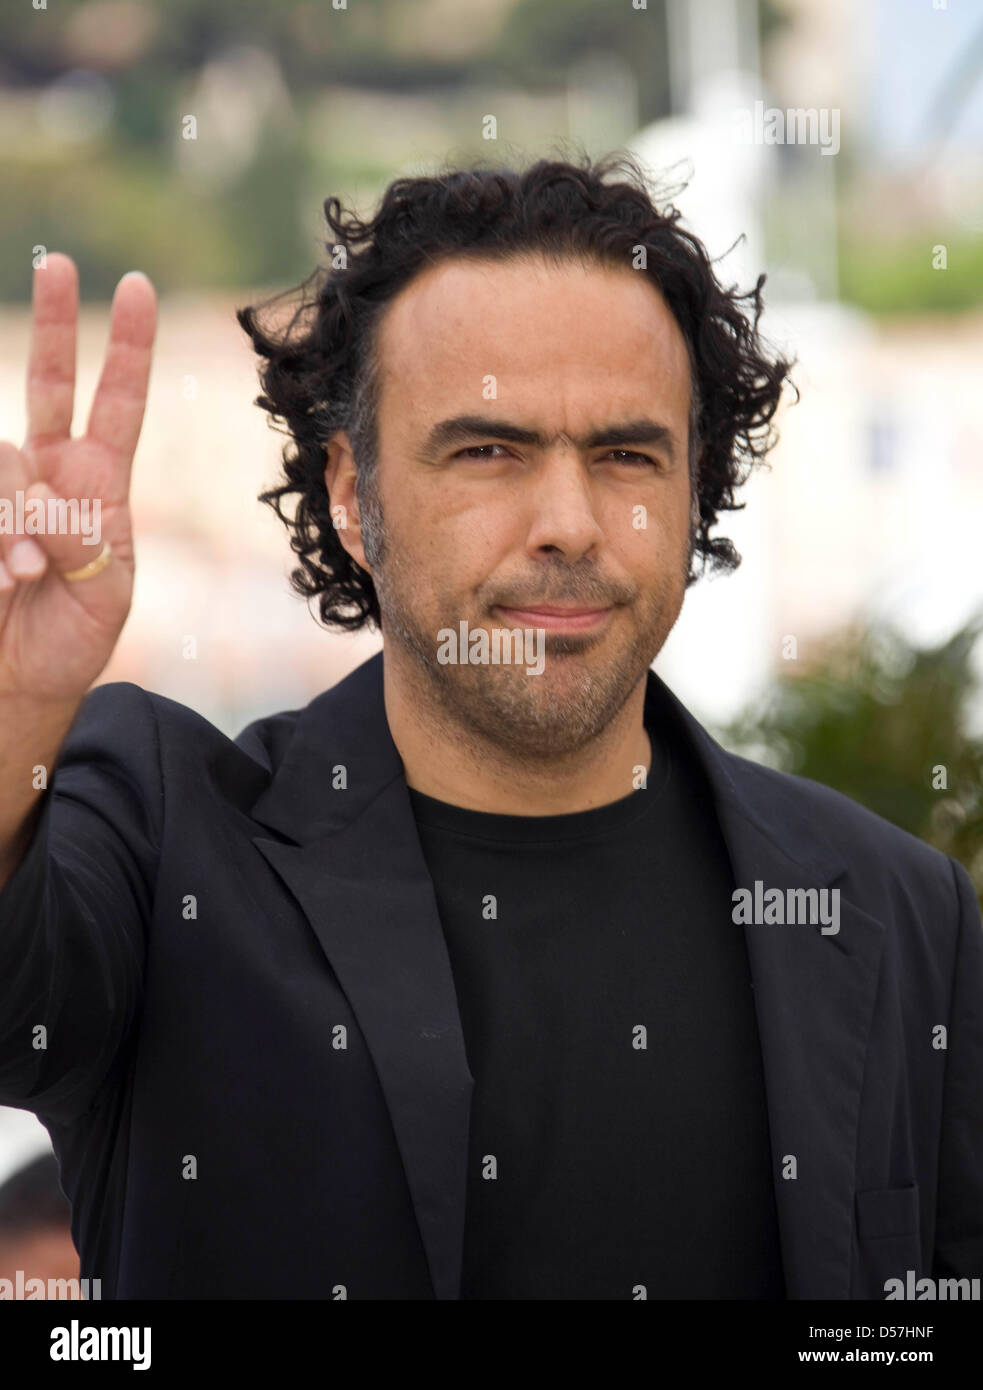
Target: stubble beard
[[586, 679]]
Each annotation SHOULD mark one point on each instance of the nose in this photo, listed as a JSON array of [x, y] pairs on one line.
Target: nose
[[561, 506]]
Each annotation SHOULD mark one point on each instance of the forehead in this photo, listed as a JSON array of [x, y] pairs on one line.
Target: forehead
[[542, 334]]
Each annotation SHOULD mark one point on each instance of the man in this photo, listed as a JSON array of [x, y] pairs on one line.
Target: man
[[488, 974]]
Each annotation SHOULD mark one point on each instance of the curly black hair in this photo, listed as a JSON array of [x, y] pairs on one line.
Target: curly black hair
[[320, 370]]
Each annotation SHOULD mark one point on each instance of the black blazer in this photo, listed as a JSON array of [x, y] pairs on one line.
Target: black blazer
[[253, 1069]]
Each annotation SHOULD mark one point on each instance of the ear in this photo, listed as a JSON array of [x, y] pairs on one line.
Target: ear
[[339, 480]]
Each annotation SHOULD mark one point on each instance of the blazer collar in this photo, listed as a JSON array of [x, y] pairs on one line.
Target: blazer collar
[[342, 755], [357, 869]]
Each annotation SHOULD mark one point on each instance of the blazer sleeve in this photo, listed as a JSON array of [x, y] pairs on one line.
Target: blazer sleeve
[[74, 915], [959, 1214]]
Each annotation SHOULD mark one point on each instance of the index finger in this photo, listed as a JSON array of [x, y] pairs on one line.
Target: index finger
[[51, 364], [118, 405]]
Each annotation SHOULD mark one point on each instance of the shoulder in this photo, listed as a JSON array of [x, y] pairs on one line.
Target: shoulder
[[133, 747], [871, 846], [129, 718]]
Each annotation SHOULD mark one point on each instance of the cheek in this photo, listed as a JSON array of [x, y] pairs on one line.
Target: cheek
[[447, 551], [464, 534], [653, 529]]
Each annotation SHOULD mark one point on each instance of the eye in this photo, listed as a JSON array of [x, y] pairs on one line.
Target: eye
[[472, 450], [631, 455]]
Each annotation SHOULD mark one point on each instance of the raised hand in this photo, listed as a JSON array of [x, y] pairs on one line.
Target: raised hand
[[57, 633]]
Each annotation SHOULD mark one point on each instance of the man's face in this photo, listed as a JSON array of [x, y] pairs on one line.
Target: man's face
[[476, 525]]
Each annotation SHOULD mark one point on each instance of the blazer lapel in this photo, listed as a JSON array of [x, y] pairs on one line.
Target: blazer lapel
[[814, 999], [358, 872]]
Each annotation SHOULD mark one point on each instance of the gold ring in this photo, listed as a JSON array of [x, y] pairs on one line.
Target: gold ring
[[92, 568]]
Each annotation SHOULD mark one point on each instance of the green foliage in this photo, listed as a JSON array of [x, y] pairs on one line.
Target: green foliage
[[874, 717], [541, 38], [131, 211], [897, 276]]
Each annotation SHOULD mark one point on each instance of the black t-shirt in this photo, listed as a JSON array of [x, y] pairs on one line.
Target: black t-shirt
[[619, 1136]]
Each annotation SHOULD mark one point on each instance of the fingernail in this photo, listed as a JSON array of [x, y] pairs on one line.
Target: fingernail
[[25, 559]]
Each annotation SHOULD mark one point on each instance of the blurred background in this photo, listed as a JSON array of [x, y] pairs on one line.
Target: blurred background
[[198, 139]]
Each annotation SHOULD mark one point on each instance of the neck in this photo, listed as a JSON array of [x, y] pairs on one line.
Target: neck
[[453, 762]]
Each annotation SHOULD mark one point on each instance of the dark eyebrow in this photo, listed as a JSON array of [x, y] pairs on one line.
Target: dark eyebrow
[[461, 428]]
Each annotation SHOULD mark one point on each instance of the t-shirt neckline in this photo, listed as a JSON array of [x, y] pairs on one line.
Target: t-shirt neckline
[[540, 830]]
